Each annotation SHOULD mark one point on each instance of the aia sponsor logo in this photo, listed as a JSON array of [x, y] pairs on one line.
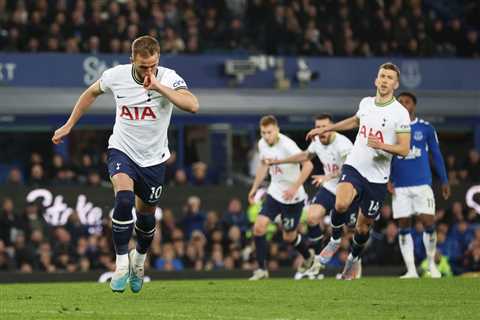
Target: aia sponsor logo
[[371, 132], [137, 113]]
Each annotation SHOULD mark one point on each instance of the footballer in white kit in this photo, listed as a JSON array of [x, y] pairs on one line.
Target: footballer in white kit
[[384, 131], [332, 149], [144, 94], [285, 194]]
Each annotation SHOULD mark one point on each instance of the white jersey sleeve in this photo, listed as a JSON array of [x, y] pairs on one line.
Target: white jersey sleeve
[[106, 80], [172, 80]]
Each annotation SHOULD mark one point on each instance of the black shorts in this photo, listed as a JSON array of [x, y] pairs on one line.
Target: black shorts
[[290, 213], [370, 196], [148, 181]]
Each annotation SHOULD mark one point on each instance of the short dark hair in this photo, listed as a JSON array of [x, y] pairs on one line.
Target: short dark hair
[[409, 94], [268, 120], [145, 46], [324, 116], [391, 66]]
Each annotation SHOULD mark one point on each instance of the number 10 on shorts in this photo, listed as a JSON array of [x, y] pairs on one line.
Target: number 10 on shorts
[[156, 192]]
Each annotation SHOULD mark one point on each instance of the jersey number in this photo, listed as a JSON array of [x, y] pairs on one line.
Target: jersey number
[[288, 223], [156, 192], [373, 208]]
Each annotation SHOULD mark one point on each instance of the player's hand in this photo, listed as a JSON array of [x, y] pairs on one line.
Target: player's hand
[[60, 133], [251, 196], [390, 188], [446, 191], [315, 132], [374, 142], [318, 180], [269, 162], [150, 82], [289, 194]]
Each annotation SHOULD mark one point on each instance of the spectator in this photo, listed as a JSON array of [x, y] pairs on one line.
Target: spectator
[[235, 216], [194, 218], [14, 178], [200, 174]]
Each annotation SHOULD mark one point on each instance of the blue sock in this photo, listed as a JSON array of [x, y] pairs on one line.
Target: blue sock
[[145, 229], [261, 250], [301, 246], [358, 244], [315, 235], [122, 220], [337, 222]]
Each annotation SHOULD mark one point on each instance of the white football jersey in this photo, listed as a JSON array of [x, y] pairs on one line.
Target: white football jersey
[[283, 176], [383, 121], [142, 116], [332, 156]]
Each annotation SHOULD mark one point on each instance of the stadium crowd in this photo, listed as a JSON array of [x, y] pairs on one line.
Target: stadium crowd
[[329, 28], [203, 239]]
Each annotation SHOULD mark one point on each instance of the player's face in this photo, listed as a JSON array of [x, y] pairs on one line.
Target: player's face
[[408, 103], [324, 138], [386, 82], [269, 133], [145, 65]]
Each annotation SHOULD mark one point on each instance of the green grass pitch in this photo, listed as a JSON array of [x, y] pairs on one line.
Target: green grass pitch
[[276, 299]]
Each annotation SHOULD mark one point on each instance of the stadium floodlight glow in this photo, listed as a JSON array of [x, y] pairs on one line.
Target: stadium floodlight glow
[[239, 69]]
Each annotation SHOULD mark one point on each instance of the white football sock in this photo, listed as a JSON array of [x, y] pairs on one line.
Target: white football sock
[[122, 262], [139, 258], [430, 243], [406, 247]]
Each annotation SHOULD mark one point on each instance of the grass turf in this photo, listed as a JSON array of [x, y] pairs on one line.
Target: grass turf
[[276, 299]]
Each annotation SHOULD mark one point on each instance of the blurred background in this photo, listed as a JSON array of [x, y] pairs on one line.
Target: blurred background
[[243, 59]]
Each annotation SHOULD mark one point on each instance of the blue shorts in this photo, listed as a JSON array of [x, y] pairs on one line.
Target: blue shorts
[[326, 199], [290, 213], [370, 196], [148, 182]]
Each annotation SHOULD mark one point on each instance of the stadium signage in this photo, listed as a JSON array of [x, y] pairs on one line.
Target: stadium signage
[[94, 67], [7, 71], [472, 198], [25, 70], [57, 211]]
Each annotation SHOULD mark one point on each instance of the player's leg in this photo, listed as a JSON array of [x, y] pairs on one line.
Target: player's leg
[[148, 188], [145, 230], [259, 231], [315, 215], [316, 212], [352, 269], [425, 205], [267, 213], [402, 205], [370, 202], [122, 227], [346, 193]]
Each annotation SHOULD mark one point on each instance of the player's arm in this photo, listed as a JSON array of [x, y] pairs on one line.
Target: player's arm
[[438, 163], [401, 148], [260, 175], [84, 102], [296, 158], [182, 98], [344, 125], [307, 168]]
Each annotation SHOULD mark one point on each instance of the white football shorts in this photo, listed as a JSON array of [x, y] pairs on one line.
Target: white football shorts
[[409, 201]]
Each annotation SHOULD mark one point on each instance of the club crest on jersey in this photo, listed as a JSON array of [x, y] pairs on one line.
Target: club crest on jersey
[[418, 135], [371, 132], [138, 113]]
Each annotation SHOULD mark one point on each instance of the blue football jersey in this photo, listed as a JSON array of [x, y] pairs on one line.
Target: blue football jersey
[[414, 169]]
